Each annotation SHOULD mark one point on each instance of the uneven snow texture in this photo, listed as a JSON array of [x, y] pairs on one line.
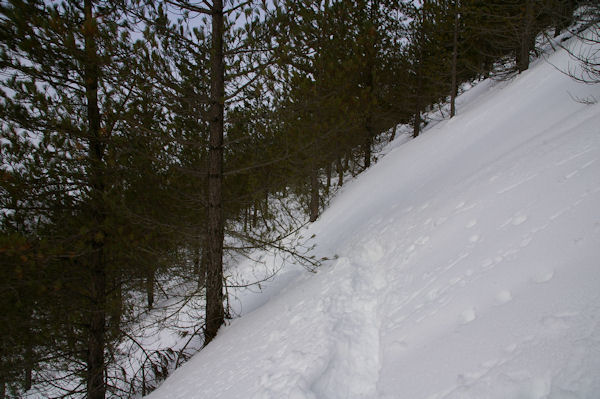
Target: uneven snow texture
[[469, 267]]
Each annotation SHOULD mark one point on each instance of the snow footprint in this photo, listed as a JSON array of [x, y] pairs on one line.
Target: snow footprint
[[503, 297], [543, 276], [472, 223], [468, 315]]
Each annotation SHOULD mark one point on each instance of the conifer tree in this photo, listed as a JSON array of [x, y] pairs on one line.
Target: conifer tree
[[72, 173]]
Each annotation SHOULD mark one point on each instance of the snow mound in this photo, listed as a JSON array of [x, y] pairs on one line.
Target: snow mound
[[469, 267]]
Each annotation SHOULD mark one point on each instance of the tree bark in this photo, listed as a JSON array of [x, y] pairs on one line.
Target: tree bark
[[367, 142], [28, 367], [340, 170], [314, 194], [150, 287], [393, 136], [96, 388], [328, 185], [419, 70], [454, 88], [265, 210], [417, 122], [215, 313], [525, 45]]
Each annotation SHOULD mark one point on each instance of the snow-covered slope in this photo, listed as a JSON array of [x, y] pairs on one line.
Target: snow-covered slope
[[469, 267]]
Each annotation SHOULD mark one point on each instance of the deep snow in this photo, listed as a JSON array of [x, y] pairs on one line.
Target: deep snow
[[468, 267]]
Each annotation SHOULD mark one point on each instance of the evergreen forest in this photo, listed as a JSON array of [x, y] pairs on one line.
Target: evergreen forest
[[146, 146]]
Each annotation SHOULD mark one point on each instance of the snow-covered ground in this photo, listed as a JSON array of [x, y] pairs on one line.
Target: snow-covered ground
[[468, 267]]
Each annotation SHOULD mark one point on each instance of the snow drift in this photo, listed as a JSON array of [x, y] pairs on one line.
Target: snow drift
[[468, 267]]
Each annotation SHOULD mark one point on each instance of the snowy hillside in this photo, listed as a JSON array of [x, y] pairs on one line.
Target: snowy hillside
[[469, 267]]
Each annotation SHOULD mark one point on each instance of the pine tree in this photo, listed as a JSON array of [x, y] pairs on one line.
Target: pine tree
[[71, 176]]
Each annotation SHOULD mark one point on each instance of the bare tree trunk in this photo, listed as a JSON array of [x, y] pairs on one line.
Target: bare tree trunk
[[96, 388], [367, 143], [28, 366], [454, 88], [265, 212], [340, 170], [328, 185], [314, 194], [150, 287], [203, 265], [419, 71], [525, 45], [417, 121], [196, 259], [394, 131], [215, 313]]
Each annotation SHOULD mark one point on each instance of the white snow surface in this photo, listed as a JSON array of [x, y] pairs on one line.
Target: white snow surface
[[468, 267]]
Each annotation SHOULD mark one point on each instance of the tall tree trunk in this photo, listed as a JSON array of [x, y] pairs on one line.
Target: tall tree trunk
[[328, 184], [370, 83], [394, 131], [417, 121], [419, 69], [454, 88], [215, 313], [525, 41], [150, 286], [314, 194], [96, 388], [28, 366], [265, 210], [340, 170], [367, 142]]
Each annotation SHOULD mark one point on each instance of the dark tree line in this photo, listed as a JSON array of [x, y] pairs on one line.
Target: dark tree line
[[143, 141]]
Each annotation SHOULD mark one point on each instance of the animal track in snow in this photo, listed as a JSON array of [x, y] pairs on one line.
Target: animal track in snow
[[516, 220], [517, 183], [474, 238], [460, 205], [471, 223], [422, 240], [525, 242], [454, 280], [574, 156], [487, 263], [511, 348], [543, 277], [468, 315], [569, 175], [503, 297], [519, 219]]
